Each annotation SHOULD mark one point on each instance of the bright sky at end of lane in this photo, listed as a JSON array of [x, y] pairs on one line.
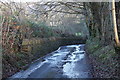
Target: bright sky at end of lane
[[59, 0]]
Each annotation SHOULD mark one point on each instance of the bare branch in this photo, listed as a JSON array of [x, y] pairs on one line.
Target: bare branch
[[51, 6]]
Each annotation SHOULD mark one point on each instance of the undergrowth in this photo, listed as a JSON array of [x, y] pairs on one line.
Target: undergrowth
[[104, 59]]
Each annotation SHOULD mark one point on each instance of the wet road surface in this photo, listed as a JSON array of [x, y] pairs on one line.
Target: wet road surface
[[66, 62]]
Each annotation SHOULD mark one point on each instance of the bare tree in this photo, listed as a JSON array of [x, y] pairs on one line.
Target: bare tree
[[115, 24]]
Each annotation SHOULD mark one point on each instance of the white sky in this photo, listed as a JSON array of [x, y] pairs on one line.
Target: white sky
[[60, 0], [26, 0], [33, 0], [21, 0]]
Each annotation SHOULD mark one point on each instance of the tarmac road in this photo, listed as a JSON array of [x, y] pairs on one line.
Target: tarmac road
[[67, 62]]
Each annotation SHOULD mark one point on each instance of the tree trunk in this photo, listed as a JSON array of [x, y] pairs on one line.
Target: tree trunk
[[114, 23]]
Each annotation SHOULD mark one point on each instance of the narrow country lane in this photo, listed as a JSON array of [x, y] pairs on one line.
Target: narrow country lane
[[67, 62], [59, 39]]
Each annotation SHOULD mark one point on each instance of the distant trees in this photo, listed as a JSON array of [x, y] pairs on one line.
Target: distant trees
[[62, 15], [98, 17], [40, 30]]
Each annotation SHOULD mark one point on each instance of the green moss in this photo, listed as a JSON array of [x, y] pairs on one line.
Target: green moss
[[105, 53], [20, 64], [92, 45], [105, 58], [19, 55], [112, 53], [117, 49]]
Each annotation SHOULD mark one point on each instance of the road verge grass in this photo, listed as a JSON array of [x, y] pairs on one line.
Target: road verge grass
[[104, 59]]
